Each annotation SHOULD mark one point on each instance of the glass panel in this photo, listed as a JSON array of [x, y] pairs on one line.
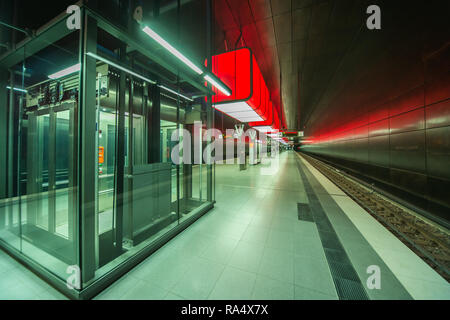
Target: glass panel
[[139, 193], [12, 96], [167, 129], [106, 168], [148, 196], [42, 157], [64, 213]]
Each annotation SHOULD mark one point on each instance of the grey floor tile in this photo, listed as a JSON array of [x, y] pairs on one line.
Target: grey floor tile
[[119, 288], [165, 273], [301, 293], [32, 281], [52, 294], [145, 290], [277, 265], [19, 291], [220, 250], [270, 289], [199, 280], [234, 284], [172, 296], [280, 240], [247, 256], [256, 235], [313, 274]]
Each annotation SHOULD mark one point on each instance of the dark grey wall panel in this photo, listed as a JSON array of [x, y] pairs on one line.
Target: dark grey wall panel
[[437, 189], [361, 132], [379, 113], [400, 98], [379, 128], [438, 152], [382, 174], [379, 151], [410, 181], [361, 150], [437, 89], [438, 115], [408, 101], [409, 121], [407, 151]]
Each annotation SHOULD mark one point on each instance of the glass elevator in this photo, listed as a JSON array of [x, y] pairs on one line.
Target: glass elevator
[[88, 187]]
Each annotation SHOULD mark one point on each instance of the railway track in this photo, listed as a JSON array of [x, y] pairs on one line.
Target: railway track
[[428, 241]]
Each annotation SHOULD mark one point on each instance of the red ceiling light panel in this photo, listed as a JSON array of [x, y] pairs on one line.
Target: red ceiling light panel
[[250, 100], [239, 71]]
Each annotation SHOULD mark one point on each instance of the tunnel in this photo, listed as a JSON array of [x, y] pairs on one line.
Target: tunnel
[[225, 150]]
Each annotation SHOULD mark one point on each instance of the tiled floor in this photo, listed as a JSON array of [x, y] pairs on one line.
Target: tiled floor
[[18, 283], [250, 246]]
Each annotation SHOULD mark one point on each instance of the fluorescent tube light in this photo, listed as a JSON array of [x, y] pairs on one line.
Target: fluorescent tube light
[[137, 75], [217, 85], [17, 89], [152, 34], [174, 92], [66, 71]]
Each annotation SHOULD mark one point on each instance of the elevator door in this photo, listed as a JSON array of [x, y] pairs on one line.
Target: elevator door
[[50, 201]]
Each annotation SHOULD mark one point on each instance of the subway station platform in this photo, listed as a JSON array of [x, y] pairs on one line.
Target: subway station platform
[[258, 243]]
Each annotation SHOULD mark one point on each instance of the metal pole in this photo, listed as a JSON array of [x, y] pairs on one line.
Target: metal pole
[[120, 157], [87, 151], [209, 109], [3, 142]]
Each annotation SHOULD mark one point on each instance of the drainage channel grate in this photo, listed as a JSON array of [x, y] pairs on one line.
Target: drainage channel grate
[[343, 271], [304, 212], [335, 255], [346, 280], [350, 290]]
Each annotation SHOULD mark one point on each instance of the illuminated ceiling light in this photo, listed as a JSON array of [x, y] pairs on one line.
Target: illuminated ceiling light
[[222, 89], [137, 75], [174, 92], [65, 72], [241, 111], [265, 129], [152, 34], [232, 107], [17, 89]]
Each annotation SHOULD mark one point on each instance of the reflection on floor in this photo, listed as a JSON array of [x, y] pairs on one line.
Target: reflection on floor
[[252, 245]]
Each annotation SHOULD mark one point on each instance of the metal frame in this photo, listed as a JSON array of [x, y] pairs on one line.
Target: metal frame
[[136, 44], [86, 148], [3, 133]]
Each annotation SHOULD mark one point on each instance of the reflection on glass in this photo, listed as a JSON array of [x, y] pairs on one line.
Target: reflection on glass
[[42, 157]]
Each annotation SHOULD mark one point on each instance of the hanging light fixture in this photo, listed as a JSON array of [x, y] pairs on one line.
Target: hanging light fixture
[[249, 100]]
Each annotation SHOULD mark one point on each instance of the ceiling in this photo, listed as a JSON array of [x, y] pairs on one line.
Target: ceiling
[[298, 44], [313, 54]]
